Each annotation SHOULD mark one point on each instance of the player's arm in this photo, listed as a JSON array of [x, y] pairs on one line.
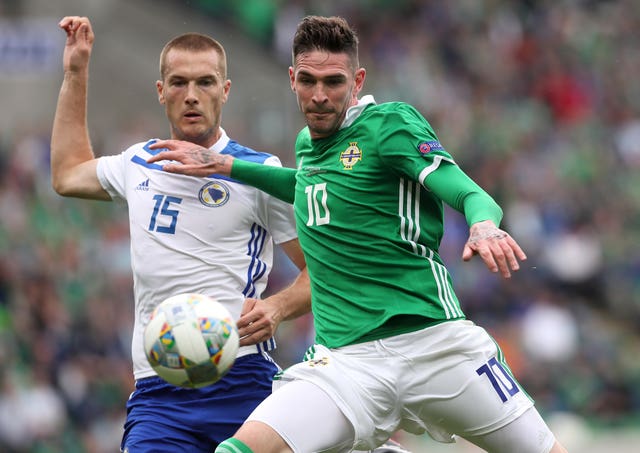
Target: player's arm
[[260, 318], [294, 300], [498, 250], [279, 182], [73, 163], [195, 160]]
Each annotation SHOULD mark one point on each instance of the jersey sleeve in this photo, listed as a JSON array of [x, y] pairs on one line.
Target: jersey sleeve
[[276, 215], [458, 190], [279, 182], [112, 176], [278, 218], [411, 147]]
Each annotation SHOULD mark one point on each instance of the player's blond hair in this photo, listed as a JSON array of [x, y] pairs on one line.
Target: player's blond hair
[[194, 42]]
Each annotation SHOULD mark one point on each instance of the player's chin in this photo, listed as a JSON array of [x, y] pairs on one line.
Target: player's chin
[[321, 128], [191, 129], [194, 134]]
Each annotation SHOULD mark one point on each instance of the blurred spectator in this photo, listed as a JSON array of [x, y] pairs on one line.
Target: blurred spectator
[[549, 332]]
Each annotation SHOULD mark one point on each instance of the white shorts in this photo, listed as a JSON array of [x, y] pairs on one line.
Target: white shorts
[[449, 379]]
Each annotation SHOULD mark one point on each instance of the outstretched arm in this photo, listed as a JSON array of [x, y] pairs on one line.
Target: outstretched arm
[[73, 164], [499, 251], [194, 160], [190, 159], [260, 318]]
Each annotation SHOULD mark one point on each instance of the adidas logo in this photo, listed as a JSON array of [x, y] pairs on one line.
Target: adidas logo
[[144, 185]]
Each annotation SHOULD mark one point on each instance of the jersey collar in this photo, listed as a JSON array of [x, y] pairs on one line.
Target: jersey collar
[[221, 143], [354, 112]]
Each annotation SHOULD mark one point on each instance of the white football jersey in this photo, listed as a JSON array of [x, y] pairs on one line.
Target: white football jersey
[[210, 235]]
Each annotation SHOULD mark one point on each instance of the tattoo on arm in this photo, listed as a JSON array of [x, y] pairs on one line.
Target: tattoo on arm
[[206, 157], [486, 232], [202, 155]]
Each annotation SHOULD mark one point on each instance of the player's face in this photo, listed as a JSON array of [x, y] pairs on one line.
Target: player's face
[[326, 85], [193, 92]]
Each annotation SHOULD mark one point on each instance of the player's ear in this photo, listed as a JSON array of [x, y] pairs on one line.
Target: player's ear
[[292, 78], [226, 90], [159, 86], [360, 75]]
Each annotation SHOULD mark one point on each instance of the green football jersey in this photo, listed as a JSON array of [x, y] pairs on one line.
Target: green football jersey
[[370, 230]]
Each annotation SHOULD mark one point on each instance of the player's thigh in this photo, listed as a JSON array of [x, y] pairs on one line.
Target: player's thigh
[[526, 434], [465, 387], [306, 418]]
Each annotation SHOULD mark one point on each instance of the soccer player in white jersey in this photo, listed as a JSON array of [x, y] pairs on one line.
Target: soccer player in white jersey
[[209, 235]]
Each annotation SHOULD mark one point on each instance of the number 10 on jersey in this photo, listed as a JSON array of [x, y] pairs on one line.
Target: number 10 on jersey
[[317, 204]]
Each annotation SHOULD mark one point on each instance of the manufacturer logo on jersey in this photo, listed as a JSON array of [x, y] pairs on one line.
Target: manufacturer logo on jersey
[[426, 147], [214, 194], [144, 185], [318, 362], [351, 156]]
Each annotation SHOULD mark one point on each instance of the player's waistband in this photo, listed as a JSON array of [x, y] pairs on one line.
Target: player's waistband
[[265, 346], [261, 348]]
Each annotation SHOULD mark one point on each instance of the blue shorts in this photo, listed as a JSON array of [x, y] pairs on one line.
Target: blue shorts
[[163, 417]]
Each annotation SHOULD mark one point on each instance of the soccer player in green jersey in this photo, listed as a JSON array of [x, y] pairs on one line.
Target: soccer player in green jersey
[[393, 347]]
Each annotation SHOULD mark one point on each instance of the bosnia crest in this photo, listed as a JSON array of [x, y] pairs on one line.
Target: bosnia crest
[[350, 156], [214, 194]]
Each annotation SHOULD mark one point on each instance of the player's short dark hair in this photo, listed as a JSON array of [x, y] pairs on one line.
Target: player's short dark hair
[[330, 34], [193, 42]]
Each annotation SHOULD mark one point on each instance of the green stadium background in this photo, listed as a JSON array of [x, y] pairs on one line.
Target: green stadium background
[[538, 100]]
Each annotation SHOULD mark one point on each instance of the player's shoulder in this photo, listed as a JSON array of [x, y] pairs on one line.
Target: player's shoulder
[[141, 147], [391, 115], [242, 152], [138, 154], [392, 109]]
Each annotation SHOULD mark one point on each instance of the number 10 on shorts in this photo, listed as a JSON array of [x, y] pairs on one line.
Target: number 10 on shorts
[[500, 379]]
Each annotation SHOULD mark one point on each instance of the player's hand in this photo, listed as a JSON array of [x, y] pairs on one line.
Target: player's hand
[[258, 321], [499, 251], [193, 160], [77, 49]]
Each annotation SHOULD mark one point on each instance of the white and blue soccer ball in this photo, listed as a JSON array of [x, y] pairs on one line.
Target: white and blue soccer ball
[[191, 340]]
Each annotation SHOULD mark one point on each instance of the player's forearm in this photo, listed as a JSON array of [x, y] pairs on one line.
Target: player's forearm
[[70, 143], [295, 300], [479, 206], [276, 181], [460, 192]]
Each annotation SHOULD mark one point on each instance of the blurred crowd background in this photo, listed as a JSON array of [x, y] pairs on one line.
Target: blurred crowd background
[[539, 101]]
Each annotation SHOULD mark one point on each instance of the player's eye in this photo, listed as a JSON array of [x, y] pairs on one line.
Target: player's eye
[[206, 82], [334, 82]]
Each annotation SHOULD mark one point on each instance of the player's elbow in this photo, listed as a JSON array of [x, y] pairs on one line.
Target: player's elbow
[[64, 190], [60, 185], [80, 181], [72, 187]]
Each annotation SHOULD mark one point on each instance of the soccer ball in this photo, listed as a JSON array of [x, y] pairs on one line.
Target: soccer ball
[[191, 340]]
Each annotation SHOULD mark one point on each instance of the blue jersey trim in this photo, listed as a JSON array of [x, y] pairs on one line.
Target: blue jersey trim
[[257, 267], [233, 148], [239, 151]]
